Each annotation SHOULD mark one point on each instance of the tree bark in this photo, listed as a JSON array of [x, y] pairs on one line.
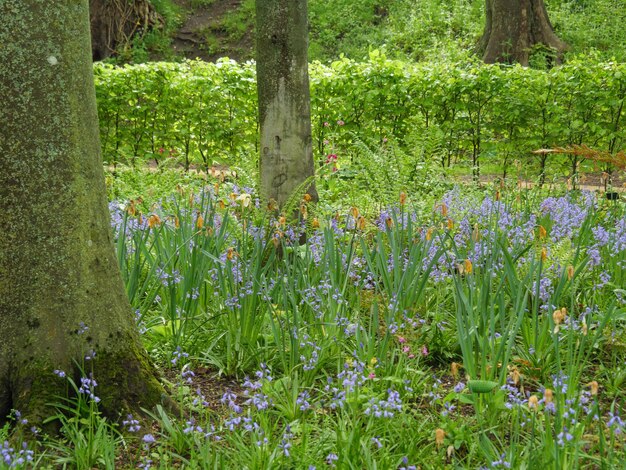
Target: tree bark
[[115, 23], [57, 266], [286, 160], [513, 28]]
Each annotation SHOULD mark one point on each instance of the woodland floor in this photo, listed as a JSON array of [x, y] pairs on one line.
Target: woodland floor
[[203, 35]]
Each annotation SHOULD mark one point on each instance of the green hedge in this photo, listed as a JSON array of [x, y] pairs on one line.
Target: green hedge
[[202, 113]]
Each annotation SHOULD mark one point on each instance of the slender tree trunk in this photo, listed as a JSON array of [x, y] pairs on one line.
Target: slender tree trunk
[[284, 104], [513, 28], [61, 294]]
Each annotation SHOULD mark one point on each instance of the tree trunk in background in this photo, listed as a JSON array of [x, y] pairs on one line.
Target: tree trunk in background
[[57, 264], [513, 27], [286, 160], [115, 22]]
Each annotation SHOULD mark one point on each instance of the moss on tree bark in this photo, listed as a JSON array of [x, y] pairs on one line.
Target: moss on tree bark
[[57, 266], [284, 101]]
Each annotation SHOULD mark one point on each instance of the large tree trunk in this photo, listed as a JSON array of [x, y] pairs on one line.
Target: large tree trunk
[[114, 23], [284, 103], [513, 28], [57, 265]]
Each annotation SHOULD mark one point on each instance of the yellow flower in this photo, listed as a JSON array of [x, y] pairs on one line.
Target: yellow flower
[[593, 385], [244, 199], [533, 402], [570, 272]]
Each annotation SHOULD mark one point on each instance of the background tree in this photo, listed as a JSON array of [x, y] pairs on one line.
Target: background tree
[[58, 273], [115, 23], [284, 102], [514, 27]]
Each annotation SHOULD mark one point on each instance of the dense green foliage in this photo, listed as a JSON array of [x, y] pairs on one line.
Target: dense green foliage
[[406, 29], [419, 324], [201, 113], [491, 324]]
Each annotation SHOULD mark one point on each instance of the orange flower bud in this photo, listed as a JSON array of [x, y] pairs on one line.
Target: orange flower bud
[[515, 376], [444, 209], [593, 385], [316, 223], [154, 220], [476, 233], [355, 212], [542, 232], [450, 224], [200, 221], [429, 234], [402, 198], [467, 264], [230, 254], [454, 369], [360, 223], [544, 253], [570, 272], [533, 403], [307, 197], [548, 395], [440, 435]]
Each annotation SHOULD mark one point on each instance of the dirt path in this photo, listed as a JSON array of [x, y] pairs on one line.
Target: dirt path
[[589, 182], [204, 34]]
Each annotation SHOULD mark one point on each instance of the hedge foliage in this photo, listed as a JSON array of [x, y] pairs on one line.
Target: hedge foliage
[[202, 113]]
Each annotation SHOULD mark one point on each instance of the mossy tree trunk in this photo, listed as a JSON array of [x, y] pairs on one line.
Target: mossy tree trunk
[[57, 264], [513, 28], [286, 160]]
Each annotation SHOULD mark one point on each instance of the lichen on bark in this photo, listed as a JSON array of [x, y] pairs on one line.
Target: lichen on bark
[[57, 266], [286, 159]]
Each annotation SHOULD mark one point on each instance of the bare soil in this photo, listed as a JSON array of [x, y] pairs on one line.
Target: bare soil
[[587, 182], [203, 36]]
